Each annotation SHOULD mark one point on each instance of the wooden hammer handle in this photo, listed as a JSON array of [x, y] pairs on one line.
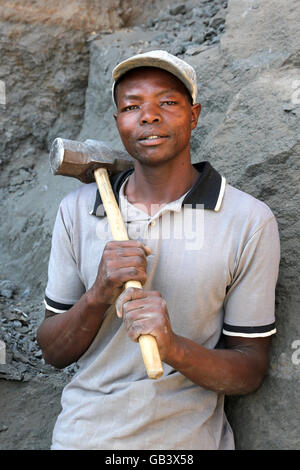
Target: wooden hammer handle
[[147, 343]]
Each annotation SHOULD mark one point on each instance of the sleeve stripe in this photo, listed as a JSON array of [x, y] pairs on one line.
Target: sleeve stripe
[[52, 309], [249, 331], [56, 306], [250, 335], [221, 194]]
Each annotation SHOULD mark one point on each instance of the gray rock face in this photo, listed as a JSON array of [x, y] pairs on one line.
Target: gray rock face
[[257, 147], [247, 58]]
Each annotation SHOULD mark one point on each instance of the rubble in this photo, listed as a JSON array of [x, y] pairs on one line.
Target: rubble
[[58, 83], [183, 27], [19, 321]]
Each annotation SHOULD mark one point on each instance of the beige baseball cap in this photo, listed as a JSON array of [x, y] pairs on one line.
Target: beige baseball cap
[[162, 60]]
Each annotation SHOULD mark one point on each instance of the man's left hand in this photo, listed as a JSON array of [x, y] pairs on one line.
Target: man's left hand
[[145, 312]]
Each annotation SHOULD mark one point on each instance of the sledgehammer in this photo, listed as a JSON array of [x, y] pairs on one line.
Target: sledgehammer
[[92, 160]]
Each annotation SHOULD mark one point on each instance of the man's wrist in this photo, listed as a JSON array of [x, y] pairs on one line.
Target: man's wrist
[[176, 352], [95, 301]]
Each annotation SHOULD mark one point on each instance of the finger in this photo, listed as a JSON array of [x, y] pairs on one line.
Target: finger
[[129, 294], [137, 248], [137, 328], [127, 261], [126, 244], [147, 303], [138, 298], [148, 250], [116, 276], [150, 300], [132, 273], [133, 305], [141, 321]]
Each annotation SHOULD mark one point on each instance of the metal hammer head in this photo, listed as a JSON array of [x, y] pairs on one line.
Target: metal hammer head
[[80, 159]]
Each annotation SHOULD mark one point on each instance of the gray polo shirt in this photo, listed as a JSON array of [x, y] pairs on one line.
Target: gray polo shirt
[[215, 257]]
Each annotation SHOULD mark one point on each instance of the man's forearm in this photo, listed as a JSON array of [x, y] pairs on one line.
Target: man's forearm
[[235, 371], [64, 337]]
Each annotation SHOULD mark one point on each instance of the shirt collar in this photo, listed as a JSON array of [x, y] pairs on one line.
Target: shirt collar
[[207, 191]]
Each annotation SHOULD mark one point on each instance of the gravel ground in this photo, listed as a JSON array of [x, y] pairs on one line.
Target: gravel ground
[[30, 389]]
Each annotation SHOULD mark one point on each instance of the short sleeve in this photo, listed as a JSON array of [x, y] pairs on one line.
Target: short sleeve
[[64, 287], [250, 300]]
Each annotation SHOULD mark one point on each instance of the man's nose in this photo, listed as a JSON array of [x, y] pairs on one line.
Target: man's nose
[[150, 114]]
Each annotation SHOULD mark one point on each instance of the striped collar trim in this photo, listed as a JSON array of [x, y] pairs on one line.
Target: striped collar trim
[[208, 190]]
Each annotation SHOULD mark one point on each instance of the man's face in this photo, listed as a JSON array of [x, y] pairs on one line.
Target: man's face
[[155, 117]]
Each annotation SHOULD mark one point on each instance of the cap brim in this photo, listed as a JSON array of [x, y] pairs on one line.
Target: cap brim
[[161, 63]]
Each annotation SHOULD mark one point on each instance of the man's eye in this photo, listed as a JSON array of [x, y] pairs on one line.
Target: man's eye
[[129, 108], [169, 102]]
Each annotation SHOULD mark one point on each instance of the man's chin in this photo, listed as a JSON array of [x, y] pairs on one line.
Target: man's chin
[[152, 160]]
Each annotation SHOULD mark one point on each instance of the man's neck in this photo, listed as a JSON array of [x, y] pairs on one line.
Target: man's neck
[[151, 187]]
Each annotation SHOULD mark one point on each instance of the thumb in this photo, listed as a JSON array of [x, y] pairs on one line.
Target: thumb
[[127, 295]]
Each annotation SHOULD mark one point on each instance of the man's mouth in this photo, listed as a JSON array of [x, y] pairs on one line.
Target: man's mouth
[[152, 137]]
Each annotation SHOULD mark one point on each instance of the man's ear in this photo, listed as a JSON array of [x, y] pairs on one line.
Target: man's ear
[[115, 117], [196, 110]]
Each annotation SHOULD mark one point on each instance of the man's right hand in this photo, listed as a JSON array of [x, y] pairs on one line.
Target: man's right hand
[[121, 261]]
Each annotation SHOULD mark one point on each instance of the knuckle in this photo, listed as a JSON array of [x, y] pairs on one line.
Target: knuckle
[[135, 330], [138, 244], [109, 262], [109, 245], [125, 311], [108, 281], [139, 260], [128, 320], [133, 272], [129, 307], [109, 278], [106, 256]]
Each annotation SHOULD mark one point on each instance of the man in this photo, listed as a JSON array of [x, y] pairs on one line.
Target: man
[[207, 255]]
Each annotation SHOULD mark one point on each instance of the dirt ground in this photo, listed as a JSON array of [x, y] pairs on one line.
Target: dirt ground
[[30, 390]]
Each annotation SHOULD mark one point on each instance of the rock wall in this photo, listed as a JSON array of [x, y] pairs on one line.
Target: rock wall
[[57, 75], [79, 15]]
